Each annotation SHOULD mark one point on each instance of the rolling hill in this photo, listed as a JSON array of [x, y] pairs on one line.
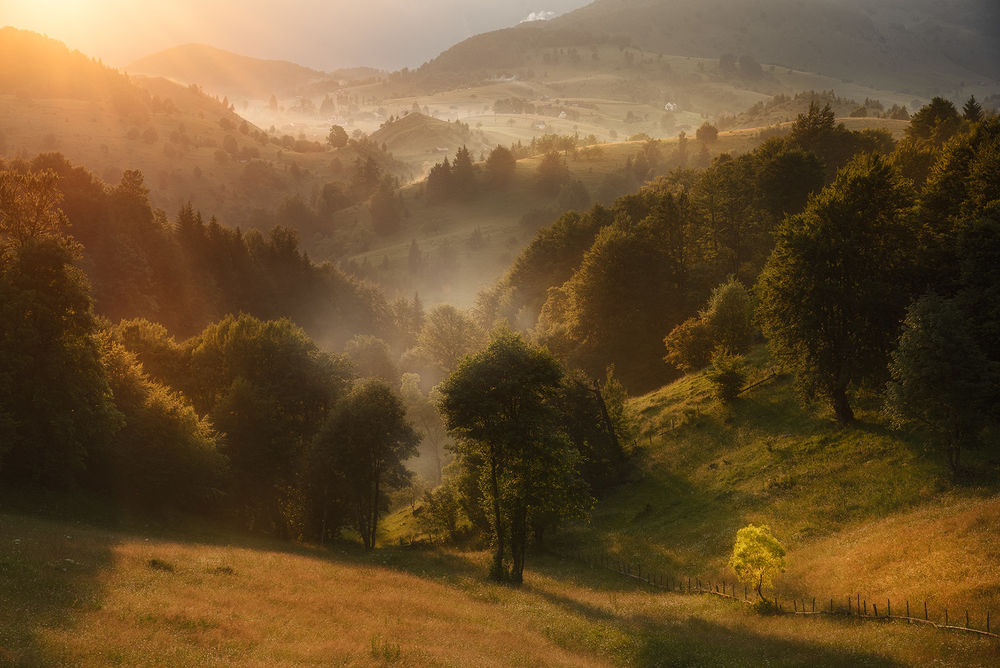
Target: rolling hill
[[238, 76], [421, 141], [189, 146], [920, 48]]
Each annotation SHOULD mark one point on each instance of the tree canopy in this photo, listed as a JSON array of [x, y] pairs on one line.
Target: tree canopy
[[501, 406]]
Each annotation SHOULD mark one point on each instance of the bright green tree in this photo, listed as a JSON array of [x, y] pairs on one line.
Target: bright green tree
[[757, 557], [501, 406]]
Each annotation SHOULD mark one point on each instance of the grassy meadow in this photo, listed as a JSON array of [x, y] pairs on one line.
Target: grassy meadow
[[78, 595]]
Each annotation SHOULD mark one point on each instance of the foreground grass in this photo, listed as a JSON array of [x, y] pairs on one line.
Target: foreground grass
[[74, 595]]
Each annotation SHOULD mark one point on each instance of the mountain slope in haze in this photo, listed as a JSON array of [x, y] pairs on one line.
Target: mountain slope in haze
[[920, 47], [231, 74], [189, 146]]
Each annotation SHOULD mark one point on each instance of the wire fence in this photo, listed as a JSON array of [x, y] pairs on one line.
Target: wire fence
[[854, 607]]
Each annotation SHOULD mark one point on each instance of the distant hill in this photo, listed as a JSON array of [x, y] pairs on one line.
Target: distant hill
[[225, 73], [919, 47], [415, 137], [188, 145]]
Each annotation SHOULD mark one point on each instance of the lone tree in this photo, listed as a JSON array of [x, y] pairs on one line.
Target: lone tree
[[337, 137], [835, 288], [707, 133], [500, 166], [757, 558], [502, 405]]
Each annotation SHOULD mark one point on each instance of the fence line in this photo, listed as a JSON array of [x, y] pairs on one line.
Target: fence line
[[859, 609]]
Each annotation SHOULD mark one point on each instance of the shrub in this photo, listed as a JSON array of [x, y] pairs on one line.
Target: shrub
[[726, 375]]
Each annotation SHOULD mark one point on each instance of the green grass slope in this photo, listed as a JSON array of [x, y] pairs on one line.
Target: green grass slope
[[862, 510]]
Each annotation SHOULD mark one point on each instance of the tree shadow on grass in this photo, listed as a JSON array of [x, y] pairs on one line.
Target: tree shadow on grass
[[49, 575], [698, 642]]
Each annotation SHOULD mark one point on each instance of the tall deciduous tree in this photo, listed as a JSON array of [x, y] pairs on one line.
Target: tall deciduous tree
[[500, 404], [368, 439], [55, 402], [834, 289], [448, 335], [941, 378], [266, 387]]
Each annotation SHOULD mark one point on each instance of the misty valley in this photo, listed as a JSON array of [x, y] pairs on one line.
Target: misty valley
[[623, 332]]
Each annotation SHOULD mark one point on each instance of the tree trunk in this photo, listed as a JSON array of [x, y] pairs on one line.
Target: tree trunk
[[326, 513], [606, 417], [841, 406], [953, 458], [496, 570], [518, 543], [374, 515]]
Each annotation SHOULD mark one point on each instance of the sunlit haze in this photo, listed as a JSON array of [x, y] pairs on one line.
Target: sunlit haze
[[323, 34]]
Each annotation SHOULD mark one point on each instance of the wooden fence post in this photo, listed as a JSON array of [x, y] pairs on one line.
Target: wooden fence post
[[926, 618], [874, 609], [907, 607], [814, 604], [966, 619], [987, 621], [946, 616], [831, 605], [888, 607], [848, 605]]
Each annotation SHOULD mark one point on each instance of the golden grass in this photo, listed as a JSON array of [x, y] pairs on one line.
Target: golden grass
[[86, 597], [946, 552]]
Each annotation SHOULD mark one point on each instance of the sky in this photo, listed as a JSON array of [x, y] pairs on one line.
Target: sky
[[322, 34]]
